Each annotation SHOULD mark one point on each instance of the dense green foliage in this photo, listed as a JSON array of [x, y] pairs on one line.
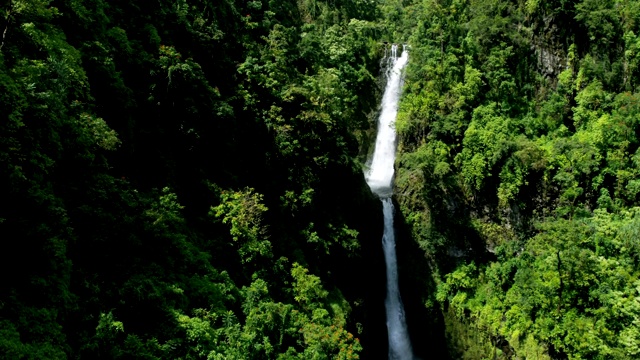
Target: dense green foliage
[[518, 173], [183, 179], [169, 178]]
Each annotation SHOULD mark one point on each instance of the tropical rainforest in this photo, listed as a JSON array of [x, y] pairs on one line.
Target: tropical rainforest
[[184, 179]]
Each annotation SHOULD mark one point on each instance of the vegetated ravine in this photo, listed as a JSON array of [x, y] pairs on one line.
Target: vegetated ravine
[[170, 173], [380, 179]]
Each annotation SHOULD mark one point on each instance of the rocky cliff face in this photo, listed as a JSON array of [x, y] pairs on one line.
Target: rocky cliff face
[[548, 44]]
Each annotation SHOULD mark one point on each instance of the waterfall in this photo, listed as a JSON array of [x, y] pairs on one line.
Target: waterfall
[[380, 179], [380, 174]]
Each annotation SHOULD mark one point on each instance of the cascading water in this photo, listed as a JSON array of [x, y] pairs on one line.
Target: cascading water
[[380, 179]]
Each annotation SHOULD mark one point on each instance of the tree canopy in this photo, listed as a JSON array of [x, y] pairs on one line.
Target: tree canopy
[[518, 173], [169, 175], [183, 179]]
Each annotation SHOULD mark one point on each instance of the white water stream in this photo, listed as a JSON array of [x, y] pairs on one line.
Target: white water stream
[[380, 180]]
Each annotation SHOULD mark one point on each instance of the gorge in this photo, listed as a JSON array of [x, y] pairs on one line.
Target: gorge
[[200, 179], [379, 177]]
